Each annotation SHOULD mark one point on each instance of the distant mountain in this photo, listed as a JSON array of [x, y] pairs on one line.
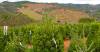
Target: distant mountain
[[82, 7], [32, 11]]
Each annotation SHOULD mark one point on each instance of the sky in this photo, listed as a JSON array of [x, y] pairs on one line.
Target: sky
[[62, 1]]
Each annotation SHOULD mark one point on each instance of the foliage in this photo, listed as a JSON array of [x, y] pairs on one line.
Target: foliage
[[84, 38], [87, 20]]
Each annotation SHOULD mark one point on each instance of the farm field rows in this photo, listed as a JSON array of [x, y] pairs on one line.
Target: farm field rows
[[39, 38]]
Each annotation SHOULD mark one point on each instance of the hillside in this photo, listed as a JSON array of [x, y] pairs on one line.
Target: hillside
[[67, 15], [14, 20], [32, 11], [37, 11], [8, 15], [31, 14]]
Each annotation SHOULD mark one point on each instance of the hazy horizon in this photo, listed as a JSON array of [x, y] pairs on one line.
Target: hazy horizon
[[94, 2]]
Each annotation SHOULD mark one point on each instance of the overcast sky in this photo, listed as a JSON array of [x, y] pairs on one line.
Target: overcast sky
[[63, 1]]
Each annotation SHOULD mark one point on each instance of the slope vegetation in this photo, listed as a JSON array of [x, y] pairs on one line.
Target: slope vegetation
[[36, 11], [67, 15]]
